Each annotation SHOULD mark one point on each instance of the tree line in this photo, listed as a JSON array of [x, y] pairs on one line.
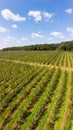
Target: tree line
[[66, 46]]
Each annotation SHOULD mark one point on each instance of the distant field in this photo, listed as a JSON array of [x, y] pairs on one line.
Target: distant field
[[36, 90], [56, 58]]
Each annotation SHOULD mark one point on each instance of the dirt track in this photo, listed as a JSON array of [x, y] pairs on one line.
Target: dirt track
[[38, 64]]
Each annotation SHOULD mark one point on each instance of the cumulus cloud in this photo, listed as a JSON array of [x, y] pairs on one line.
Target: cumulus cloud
[[57, 34], [37, 35], [8, 15], [3, 30], [49, 38], [9, 39], [14, 26], [69, 11], [68, 39], [70, 30], [36, 14], [48, 15], [23, 39]]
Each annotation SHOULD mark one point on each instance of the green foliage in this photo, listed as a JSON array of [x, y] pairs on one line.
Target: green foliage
[[36, 88], [66, 46]]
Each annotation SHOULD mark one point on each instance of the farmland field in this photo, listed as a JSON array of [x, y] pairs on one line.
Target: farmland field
[[36, 90]]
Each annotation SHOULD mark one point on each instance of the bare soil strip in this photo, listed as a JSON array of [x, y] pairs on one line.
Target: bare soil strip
[[37, 64], [67, 109]]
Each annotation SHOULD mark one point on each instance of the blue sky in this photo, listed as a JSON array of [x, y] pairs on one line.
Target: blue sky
[[35, 21]]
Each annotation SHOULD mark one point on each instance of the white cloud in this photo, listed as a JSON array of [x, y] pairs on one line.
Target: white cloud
[[69, 39], [70, 30], [18, 41], [69, 11], [14, 40], [8, 15], [57, 34], [47, 15], [23, 39], [37, 35], [3, 30], [49, 38], [9, 39], [14, 26], [36, 14]]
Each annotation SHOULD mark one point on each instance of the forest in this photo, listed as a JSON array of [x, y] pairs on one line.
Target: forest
[[65, 46]]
